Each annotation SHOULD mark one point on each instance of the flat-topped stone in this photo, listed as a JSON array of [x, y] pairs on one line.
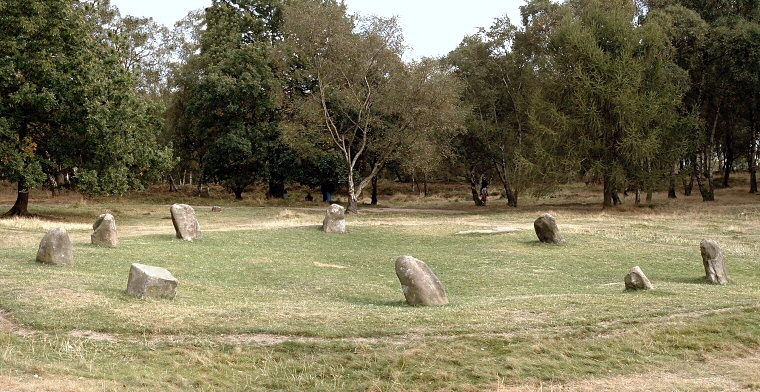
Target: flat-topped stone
[[150, 281]]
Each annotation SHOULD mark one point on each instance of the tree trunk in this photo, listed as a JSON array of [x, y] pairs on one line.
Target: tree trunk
[[703, 171], [353, 203], [353, 198], [688, 185], [511, 196], [672, 185], [172, 186], [637, 200], [374, 191], [21, 206], [474, 182], [616, 198], [752, 156], [608, 192], [728, 164], [238, 193], [276, 189]]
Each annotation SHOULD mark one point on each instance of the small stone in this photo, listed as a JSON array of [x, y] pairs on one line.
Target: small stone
[[420, 285], [216, 209], [185, 222], [335, 219], [104, 231], [546, 229], [149, 281], [636, 280], [713, 261], [56, 248]]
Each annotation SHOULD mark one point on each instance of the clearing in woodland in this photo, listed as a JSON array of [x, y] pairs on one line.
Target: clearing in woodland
[[267, 301]]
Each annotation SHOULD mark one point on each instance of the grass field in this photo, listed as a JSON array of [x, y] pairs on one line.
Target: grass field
[[267, 301]]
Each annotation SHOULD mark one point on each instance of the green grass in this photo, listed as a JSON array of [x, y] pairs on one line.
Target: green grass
[[267, 301]]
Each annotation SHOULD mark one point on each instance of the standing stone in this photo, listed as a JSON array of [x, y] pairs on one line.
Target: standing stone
[[149, 281], [546, 229], [714, 262], [636, 280], [335, 219], [185, 223], [104, 231], [56, 248], [420, 285]]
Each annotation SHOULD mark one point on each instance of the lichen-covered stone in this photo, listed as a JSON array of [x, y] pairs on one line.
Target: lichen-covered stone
[[420, 285], [149, 281], [105, 231], [56, 248], [547, 230], [713, 261], [185, 222], [636, 280], [335, 219]]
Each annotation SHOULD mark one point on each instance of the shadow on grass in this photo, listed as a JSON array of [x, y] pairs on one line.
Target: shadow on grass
[[372, 302], [689, 280]]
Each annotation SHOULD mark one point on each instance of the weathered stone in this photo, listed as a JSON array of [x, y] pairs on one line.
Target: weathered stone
[[546, 229], [185, 223], [216, 209], [636, 280], [335, 219], [420, 285], [714, 262], [104, 231], [149, 281], [56, 248]]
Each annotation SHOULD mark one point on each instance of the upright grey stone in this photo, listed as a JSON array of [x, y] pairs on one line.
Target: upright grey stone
[[420, 285], [714, 262], [185, 223], [546, 229], [636, 280], [335, 219], [104, 231], [56, 248], [216, 209], [149, 281]]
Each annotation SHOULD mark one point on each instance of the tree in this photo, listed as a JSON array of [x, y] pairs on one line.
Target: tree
[[228, 100], [68, 106], [619, 92], [717, 45], [364, 96], [502, 85]]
